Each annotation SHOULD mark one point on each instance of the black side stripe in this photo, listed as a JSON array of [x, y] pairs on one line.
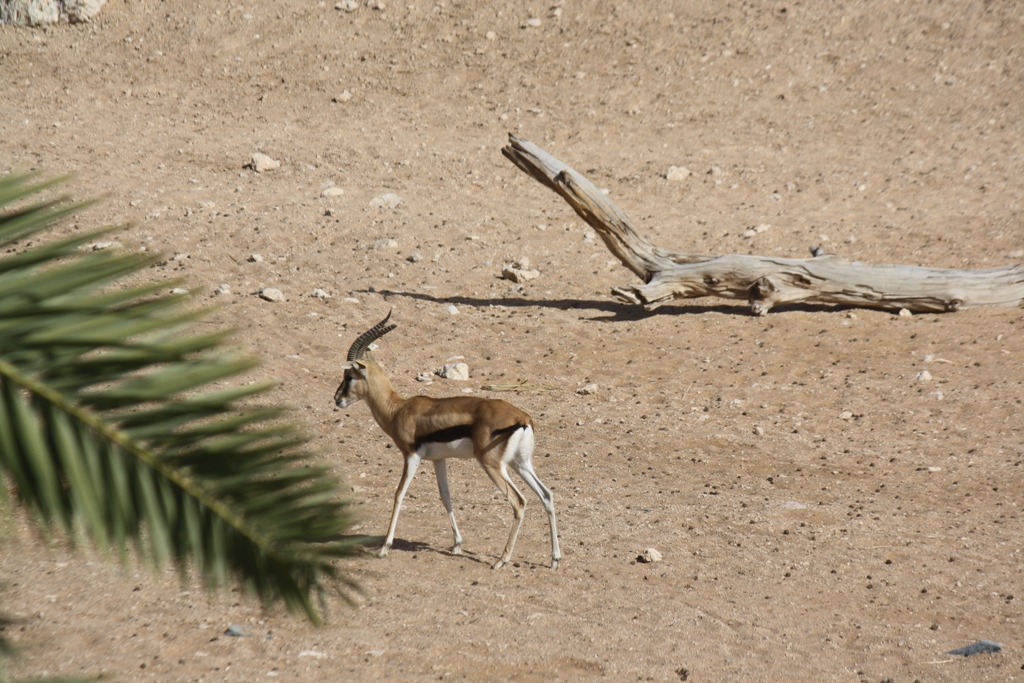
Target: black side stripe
[[458, 432]]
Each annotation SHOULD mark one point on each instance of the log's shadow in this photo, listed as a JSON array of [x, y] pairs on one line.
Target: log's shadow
[[616, 311]]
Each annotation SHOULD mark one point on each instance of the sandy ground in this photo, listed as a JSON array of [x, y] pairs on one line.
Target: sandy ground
[[823, 514]]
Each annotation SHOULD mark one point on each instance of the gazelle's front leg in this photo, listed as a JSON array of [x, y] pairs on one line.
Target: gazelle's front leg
[[441, 471], [412, 462]]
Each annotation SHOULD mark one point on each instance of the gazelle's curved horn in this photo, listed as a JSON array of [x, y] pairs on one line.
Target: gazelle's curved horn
[[363, 341]]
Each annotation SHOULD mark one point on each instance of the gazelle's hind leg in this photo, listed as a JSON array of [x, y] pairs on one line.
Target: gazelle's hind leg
[[498, 473], [522, 463], [441, 471]]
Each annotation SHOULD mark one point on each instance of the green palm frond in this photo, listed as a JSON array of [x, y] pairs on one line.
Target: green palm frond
[[108, 423]]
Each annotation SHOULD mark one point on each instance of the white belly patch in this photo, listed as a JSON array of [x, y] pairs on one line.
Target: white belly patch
[[442, 450]]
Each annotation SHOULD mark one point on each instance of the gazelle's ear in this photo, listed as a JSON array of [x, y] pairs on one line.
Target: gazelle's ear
[[360, 367]]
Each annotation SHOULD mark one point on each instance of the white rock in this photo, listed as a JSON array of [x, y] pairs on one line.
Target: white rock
[[1019, 253], [923, 376], [532, 22], [343, 96], [457, 371], [453, 309], [758, 430], [384, 244], [270, 294], [846, 415], [414, 257], [332, 192], [677, 174], [905, 313], [261, 163], [587, 389], [425, 377], [223, 289], [519, 271], [255, 258], [100, 246], [347, 5], [320, 294], [650, 555], [179, 291], [388, 200]]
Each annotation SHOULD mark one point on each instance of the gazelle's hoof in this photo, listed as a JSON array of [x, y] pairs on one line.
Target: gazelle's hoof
[[456, 550], [554, 564], [383, 552], [499, 564]]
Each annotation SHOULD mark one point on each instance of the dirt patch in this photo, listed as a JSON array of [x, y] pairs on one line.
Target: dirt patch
[[822, 512]]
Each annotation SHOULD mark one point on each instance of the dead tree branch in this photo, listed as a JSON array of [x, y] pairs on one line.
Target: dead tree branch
[[764, 282]]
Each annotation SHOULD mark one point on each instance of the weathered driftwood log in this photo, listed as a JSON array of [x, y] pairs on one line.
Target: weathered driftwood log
[[763, 281]]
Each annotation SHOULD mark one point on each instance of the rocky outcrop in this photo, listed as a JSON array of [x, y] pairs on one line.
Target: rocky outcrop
[[40, 12]]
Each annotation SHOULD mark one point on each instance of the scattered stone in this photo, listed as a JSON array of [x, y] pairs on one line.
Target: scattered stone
[[846, 415], [758, 430], [923, 376], [519, 271], [329, 211], [587, 389], [222, 290], [934, 469], [320, 294], [532, 22], [255, 258], [388, 200], [677, 174], [343, 96], [589, 236], [375, 4], [236, 631], [316, 654], [1019, 253], [905, 313], [649, 556], [351, 300], [270, 294], [261, 163], [332, 192], [986, 646], [750, 232], [425, 377], [384, 244], [793, 505], [101, 246], [490, 35], [453, 309], [457, 371], [179, 291], [414, 257], [347, 5]]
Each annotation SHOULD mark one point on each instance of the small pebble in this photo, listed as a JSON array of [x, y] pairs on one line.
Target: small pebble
[[261, 163], [923, 376], [179, 291], [222, 289], [649, 556], [905, 313], [236, 631], [758, 430], [388, 200], [320, 294], [532, 22], [414, 257], [587, 389], [456, 371], [677, 174], [332, 192], [343, 96], [271, 294], [255, 258], [453, 309]]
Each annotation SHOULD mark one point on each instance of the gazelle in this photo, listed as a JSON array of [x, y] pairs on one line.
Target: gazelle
[[495, 432]]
